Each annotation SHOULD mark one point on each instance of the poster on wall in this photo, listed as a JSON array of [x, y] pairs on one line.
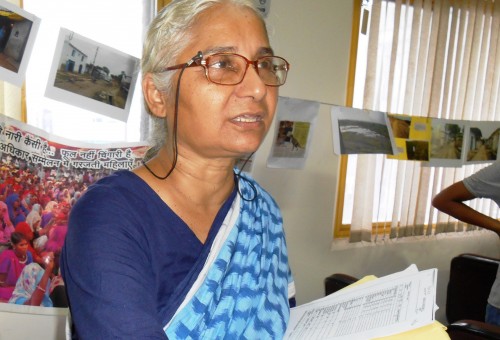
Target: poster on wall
[[92, 76], [38, 168], [295, 120], [18, 30], [357, 131]]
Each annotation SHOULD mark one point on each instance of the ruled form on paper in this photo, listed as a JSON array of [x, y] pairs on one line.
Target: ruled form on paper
[[375, 308]]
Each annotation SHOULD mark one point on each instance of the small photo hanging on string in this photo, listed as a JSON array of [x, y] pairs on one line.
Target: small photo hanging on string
[[294, 126], [92, 76], [18, 31], [448, 142], [483, 142], [357, 131]]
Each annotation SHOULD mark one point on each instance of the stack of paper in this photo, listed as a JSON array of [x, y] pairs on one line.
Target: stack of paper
[[373, 308]]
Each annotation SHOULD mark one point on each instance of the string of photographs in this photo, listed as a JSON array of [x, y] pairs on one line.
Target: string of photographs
[[84, 72], [437, 141]]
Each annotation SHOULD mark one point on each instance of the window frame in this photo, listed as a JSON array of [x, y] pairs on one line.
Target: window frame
[[343, 230]]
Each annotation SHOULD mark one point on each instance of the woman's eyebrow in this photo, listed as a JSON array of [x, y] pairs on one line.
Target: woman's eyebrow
[[220, 49], [232, 49], [266, 51]]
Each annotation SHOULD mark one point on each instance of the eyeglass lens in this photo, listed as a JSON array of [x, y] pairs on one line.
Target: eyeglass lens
[[229, 69]]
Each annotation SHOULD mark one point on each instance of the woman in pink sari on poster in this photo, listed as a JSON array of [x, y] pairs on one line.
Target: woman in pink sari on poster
[[12, 263]]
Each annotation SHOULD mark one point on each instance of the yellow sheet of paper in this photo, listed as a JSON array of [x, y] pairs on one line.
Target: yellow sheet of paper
[[420, 128]]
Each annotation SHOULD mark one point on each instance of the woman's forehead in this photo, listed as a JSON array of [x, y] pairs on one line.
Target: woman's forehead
[[228, 27]]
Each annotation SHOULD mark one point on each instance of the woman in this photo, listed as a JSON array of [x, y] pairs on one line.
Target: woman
[[34, 217], [6, 227], [57, 291], [12, 262], [59, 217], [47, 214], [24, 228], [17, 212], [33, 286], [40, 284], [185, 245]]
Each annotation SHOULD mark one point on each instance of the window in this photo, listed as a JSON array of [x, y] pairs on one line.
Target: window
[[427, 58]]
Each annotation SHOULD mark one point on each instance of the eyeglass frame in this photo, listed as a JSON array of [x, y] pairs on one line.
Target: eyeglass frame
[[198, 60]]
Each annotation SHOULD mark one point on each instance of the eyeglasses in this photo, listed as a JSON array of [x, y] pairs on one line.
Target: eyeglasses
[[230, 68]]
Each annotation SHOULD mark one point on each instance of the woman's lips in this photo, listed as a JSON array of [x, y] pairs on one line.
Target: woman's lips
[[248, 119]]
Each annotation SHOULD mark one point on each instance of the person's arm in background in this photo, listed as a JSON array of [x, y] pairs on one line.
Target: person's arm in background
[[450, 201], [39, 292]]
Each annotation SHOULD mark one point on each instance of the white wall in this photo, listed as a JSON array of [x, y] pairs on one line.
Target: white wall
[[314, 36]]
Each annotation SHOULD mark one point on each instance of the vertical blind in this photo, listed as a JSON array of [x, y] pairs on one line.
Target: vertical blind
[[431, 58]]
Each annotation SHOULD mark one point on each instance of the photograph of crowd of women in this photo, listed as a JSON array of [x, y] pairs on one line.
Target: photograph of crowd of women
[[36, 196]]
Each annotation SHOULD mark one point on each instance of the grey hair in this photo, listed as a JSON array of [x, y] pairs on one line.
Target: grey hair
[[167, 36]]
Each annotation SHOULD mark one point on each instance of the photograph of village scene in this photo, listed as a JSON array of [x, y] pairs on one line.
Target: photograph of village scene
[[14, 33], [94, 71], [484, 139], [447, 139]]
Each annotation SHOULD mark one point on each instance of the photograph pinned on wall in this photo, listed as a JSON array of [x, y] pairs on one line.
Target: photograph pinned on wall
[[357, 131], [400, 126], [447, 142], [412, 135], [418, 143], [482, 142], [417, 150], [92, 76], [18, 30], [295, 121]]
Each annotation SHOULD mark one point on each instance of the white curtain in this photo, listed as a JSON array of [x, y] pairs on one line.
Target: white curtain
[[433, 58]]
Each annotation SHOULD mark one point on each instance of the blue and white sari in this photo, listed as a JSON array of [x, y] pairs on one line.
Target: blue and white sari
[[245, 285]]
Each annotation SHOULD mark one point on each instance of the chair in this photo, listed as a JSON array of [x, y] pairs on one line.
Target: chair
[[471, 278], [469, 285], [472, 330], [337, 281]]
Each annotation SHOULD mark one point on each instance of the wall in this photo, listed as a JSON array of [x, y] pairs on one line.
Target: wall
[[314, 36], [33, 322]]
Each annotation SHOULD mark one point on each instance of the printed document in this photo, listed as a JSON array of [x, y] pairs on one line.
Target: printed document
[[385, 306]]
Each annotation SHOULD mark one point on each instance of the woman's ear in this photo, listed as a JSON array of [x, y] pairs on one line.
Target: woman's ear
[[153, 97]]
